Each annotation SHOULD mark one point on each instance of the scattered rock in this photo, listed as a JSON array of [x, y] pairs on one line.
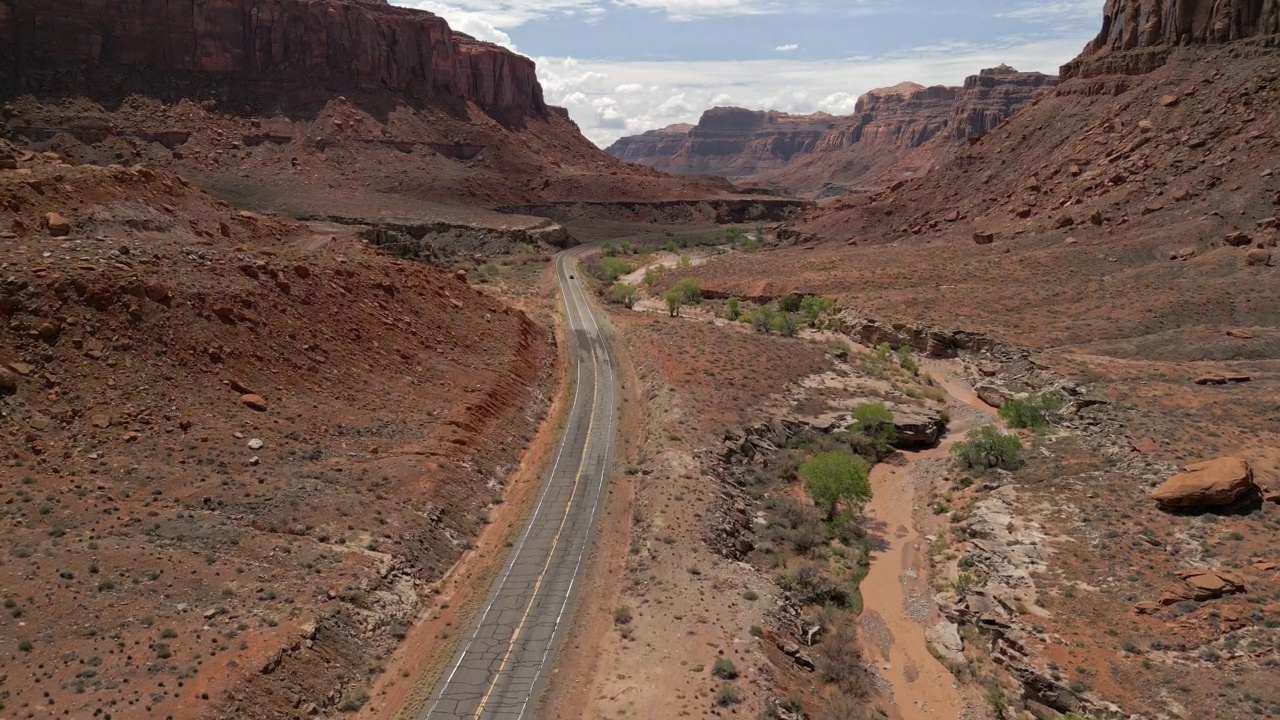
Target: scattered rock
[[8, 381], [20, 368], [1215, 482], [240, 387], [952, 216], [254, 402], [917, 426], [1238, 239], [1071, 241], [1147, 607], [984, 238], [460, 276], [1222, 379], [100, 421], [1181, 195], [1185, 253], [1202, 585], [255, 444], [58, 225], [302, 271], [1258, 257], [1169, 101], [1240, 334]]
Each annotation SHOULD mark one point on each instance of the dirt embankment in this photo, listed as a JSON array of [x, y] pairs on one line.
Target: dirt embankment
[[236, 450]]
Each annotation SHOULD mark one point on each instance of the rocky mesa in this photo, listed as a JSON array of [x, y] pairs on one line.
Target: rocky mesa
[[823, 154], [303, 107]]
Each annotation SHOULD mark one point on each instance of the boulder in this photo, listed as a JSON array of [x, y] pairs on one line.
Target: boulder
[[1212, 483], [254, 402], [1202, 584], [8, 382], [1237, 239], [945, 639], [990, 394], [984, 238], [1185, 253], [58, 225], [1258, 257], [917, 426]]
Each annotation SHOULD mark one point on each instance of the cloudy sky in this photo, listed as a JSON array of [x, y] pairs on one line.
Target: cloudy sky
[[626, 66]]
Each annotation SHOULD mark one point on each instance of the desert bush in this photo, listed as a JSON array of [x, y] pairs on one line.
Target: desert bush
[[724, 669], [763, 318], [839, 657], [835, 478], [732, 310], [652, 275], [811, 584], [907, 362], [790, 303], [685, 261], [986, 447], [728, 695], [843, 707], [622, 616], [1030, 412], [614, 268]]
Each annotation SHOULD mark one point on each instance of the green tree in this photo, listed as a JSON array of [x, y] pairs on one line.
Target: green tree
[[732, 310], [733, 234], [690, 290], [836, 478], [652, 275], [814, 306], [674, 301], [790, 303], [986, 447], [883, 351], [875, 421], [608, 250], [624, 294]]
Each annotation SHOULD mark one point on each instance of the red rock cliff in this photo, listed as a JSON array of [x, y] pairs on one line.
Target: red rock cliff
[[1137, 34], [284, 52]]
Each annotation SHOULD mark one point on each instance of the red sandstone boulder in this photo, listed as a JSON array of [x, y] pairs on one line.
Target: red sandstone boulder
[[1216, 482], [1200, 585]]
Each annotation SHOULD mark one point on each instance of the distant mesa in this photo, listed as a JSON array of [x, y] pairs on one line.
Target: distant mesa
[[898, 129]]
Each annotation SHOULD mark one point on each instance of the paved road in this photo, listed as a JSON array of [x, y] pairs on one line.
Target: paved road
[[505, 658]]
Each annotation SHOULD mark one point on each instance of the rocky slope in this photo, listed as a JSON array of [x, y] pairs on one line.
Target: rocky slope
[[821, 153], [241, 447], [301, 106]]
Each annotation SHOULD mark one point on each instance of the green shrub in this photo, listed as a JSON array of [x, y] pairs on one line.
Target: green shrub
[[875, 421], [685, 261], [732, 310], [813, 585], [907, 362], [790, 303], [724, 669], [622, 616], [623, 294], [763, 318], [986, 448], [614, 268], [814, 307], [786, 324], [835, 478], [652, 275], [1030, 412], [728, 695]]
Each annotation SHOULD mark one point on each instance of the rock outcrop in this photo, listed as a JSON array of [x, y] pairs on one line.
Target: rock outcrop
[[1213, 483], [255, 52], [1137, 35], [1200, 585], [819, 153]]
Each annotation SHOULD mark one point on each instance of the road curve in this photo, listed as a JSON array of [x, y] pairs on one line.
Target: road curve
[[506, 655]]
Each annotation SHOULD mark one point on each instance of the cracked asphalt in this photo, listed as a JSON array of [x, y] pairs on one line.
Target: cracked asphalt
[[505, 658]]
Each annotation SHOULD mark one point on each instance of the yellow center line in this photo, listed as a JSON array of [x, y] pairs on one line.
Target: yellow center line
[[515, 637]]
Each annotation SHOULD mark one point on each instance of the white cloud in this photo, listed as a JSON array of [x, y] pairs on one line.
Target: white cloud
[[512, 13], [478, 26], [787, 48], [629, 89], [672, 92]]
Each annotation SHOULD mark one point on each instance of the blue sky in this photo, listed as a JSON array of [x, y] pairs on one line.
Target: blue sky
[[625, 66]]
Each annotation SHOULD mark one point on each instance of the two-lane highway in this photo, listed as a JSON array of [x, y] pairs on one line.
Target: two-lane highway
[[506, 655]]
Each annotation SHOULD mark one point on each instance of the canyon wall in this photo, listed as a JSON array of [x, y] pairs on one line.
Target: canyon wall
[[1137, 35], [813, 154], [255, 52]]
